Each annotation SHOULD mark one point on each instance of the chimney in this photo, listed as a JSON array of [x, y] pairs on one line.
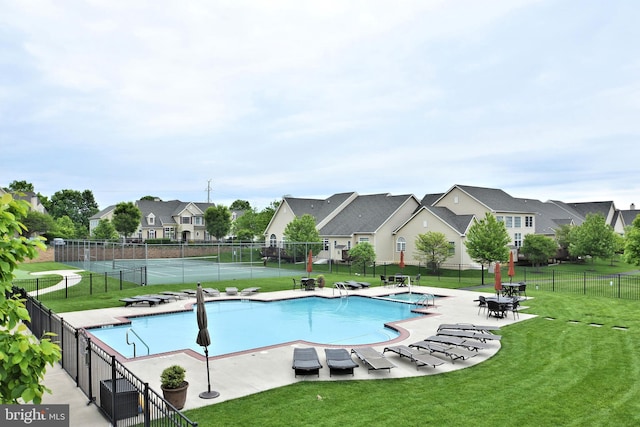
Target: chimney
[[633, 206]]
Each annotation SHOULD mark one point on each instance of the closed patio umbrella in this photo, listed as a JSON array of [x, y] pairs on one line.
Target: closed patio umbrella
[[498, 278], [401, 265], [512, 270], [310, 262], [204, 339]]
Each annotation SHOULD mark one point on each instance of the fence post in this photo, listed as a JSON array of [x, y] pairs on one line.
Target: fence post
[[66, 286], [114, 392], [147, 412], [120, 279], [553, 280], [584, 282], [105, 282], [90, 283]]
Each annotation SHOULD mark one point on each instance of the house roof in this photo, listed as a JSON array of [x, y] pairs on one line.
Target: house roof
[[165, 211], [628, 216], [549, 216], [495, 199], [365, 214], [317, 208]]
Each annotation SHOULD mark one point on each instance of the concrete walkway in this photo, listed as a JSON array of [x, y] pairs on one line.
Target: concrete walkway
[[267, 368]]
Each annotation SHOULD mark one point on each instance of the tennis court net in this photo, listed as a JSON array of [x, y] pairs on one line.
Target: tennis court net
[[187, 262]]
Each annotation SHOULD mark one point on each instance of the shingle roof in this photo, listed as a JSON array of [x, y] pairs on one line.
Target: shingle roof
[[495, 199], [317, 208], [549, 216], [460, 223], [365, 214]]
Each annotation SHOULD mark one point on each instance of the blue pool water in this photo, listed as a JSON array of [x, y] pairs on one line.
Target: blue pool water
[[237, 325], [408, 297]]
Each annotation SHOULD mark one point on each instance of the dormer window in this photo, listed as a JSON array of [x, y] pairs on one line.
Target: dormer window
[[151, 219]]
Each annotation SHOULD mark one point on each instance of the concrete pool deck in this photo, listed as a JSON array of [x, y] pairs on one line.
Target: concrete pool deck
[[242, 374]]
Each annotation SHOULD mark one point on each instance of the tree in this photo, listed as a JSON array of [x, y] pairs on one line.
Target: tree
[[105, 230], [21, 187], [245, 227], [218, 221], [150, 198], [264, 217], [538, 248], [632, 242], [24, 358], [487, 241], [593, 238], [362, 254], [432, 248], [126, 218], [302, 230], [563, 239], [74, 204], [240, 205], [37, 223], [64, 228]]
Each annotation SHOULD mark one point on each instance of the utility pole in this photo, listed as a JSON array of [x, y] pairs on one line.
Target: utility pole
[[209, 191]]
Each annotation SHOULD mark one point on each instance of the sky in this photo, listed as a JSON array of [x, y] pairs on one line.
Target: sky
[[254, 100]]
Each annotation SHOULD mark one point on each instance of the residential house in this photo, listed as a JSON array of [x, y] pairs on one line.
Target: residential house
[[174, 219]]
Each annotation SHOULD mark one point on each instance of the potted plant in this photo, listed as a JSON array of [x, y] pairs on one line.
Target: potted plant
[[320, 281], [174, 386]]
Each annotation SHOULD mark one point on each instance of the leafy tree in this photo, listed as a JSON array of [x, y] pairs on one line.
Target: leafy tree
[[432, 248], [23, 358], [74, 204], [632, 242], [594, 238], [563, 238], [362, 254], [105, 230], [126, 218], [245, 227], [240, 205], [64, 228], [264, 217], [150, 198], [487, 241], [538, 248], [218, 221], [21, 187], [37, 223], [302, 230]]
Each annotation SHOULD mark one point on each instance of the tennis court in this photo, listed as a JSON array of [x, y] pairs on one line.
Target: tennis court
[[190, 270]]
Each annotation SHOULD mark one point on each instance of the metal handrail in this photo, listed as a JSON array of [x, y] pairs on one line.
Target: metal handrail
[[134, 343]]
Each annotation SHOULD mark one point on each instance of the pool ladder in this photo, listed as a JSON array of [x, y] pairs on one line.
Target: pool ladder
[[133, 343], [425, 300], [341, 287]]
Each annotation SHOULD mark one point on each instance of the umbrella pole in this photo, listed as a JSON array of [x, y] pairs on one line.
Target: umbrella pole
[[208, 394]]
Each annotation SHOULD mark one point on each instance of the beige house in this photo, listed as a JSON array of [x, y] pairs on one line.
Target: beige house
[[392, 223], [175, 220]]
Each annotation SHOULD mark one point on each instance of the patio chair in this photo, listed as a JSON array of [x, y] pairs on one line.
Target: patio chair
[[482, 303], [339, 361], [416, 280], [513, 307], [496, 309], [419, 357], [468, 327], [383, 280], [306, 362], [373, 359], [249, 291], [522, 289], [482, 337], [139, 299], [231, 291], [211, 292]]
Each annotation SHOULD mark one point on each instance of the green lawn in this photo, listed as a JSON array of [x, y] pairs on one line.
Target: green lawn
[[575, 365]]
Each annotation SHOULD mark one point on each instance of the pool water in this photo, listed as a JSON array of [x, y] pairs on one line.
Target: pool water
[[239, 325], [408, 297]]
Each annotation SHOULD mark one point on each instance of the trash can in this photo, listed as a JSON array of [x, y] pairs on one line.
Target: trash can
[[126, 399]]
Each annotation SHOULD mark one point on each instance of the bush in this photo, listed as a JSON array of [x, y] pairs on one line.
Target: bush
[[173, 377]]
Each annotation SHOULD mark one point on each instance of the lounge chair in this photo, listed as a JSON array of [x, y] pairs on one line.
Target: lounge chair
[[364, 284], [339, 361], [352, 285], [373, 359], [178, 295], [139, 299], [419, 357], [468, 327], [213, 292], [249, 291], [469, 334], [190, 292], [306, 362], [231, 291], [460, 342], [449, 351]]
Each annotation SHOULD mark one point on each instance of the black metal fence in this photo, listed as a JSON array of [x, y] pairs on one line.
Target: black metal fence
[[123, 398], [83, 283], [624, 286]]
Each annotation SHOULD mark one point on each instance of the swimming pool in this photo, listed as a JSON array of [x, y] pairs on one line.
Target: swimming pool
[[411, 297], [240, 325]]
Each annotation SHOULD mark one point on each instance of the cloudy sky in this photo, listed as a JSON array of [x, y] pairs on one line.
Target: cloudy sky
[[260, 99]]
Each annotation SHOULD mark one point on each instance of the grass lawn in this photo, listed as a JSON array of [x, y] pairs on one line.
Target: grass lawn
[[574, 365]]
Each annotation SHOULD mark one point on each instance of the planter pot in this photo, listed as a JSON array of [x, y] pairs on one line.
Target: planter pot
[[176, 396]]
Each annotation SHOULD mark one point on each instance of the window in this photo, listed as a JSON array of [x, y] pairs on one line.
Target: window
[[168, 232], [273, 242], [528, 221], [151, 234], [198, 220], [424, 224], [185, 220], [517, 221], [349, 245], [325, 243], [499, 218], [452, 248], [517, 240], [401, 244], [363, 239], [151, 220], [508, 221]]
